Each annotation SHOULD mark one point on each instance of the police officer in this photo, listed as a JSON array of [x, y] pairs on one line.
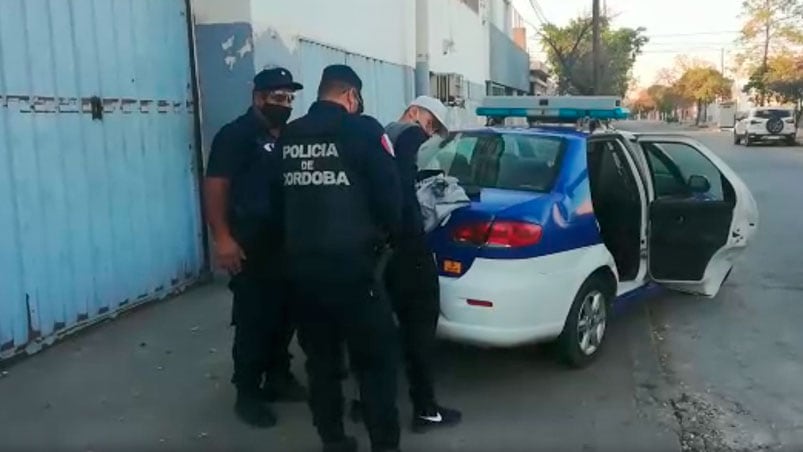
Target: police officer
[[342, 206], [242, 213], [412, 277]]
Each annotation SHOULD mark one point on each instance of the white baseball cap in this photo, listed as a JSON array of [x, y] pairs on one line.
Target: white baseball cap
[[433, 106]]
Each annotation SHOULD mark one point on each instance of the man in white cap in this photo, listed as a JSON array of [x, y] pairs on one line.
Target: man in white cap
[[411, 276]]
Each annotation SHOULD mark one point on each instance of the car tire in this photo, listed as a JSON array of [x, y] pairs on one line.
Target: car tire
[[736, 138], [791, 141], [578, 345], [747, 141]]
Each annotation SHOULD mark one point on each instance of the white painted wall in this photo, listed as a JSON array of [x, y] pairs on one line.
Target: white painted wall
[[217, 11], [381, 29], [451, 20]]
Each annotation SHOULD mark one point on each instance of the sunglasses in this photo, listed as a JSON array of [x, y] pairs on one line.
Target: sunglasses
[[279, 97]]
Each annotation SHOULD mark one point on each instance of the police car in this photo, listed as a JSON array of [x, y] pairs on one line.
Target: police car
[[563, 223]]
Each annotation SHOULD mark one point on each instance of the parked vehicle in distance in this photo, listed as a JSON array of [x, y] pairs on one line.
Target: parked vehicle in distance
[[766, 124]]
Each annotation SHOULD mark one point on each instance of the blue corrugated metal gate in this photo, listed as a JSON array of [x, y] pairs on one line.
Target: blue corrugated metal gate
[[387, 87], [98, 182]]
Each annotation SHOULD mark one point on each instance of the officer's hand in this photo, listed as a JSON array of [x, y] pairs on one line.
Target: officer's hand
[[229, 255]]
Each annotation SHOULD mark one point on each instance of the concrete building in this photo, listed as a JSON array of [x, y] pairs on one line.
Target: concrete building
[[539, 79], [457, 50]]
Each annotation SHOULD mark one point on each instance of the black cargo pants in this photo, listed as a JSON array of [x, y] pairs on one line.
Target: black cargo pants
[[263, 323], [412, 282], [330, 314]]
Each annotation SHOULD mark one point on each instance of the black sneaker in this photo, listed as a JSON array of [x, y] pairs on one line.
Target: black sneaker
[[253, 412], [348, 444], [436, 416], [284, 388]]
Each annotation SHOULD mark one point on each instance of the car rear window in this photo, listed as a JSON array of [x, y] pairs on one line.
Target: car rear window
[[510, 161], [767, 114]]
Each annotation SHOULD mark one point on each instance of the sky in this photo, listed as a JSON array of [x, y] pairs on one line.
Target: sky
[[695, 28]]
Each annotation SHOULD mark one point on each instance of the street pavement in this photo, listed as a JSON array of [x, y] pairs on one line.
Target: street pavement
[[736, 362], [678, 373]]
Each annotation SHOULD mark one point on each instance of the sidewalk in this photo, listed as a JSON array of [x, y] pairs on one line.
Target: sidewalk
[[157, 379]]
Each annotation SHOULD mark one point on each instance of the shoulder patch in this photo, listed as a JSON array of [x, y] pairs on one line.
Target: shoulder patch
[[388, 145]]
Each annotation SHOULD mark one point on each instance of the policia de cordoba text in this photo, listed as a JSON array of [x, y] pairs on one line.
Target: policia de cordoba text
[[306, 155]]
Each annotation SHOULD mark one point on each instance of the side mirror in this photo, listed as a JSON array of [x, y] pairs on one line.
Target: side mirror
[[699, 184]]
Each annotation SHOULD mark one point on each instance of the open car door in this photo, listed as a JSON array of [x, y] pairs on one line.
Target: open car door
[[701, 215]]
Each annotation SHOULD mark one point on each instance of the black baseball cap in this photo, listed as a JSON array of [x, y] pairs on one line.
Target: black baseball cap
[[341, 73], [275, 78]]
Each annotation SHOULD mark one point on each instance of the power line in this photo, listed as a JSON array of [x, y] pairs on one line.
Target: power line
[[539, 13], [696, 33], [690, 43], [685, 50]]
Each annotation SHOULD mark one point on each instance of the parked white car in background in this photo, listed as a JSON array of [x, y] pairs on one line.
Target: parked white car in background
[[765, 124]]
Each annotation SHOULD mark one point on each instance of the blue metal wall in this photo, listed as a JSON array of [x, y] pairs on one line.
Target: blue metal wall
[[509, 64], [387, 87], [95, 215], [229, 54]]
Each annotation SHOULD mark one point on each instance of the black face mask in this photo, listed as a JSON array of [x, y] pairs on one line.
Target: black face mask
[[276, 115]]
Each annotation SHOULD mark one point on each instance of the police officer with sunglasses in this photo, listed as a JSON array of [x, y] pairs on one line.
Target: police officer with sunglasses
[[244, 217]]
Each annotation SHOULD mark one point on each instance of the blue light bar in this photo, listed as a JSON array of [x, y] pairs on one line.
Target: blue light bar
[[557, 114]]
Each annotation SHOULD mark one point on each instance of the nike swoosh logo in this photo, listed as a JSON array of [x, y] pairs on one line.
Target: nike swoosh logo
[[437, 418]]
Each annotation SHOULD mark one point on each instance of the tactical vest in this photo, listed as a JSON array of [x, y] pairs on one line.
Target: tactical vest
[[329, 230]]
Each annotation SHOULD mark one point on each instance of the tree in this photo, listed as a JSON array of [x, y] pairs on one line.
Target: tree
[[642, 103], [771, 27], [785, 81], [781, 81], [704, 85], [667, 99], [569, 54]]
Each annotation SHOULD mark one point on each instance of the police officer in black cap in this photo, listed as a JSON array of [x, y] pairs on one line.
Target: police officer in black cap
[[342, 207], [244, 216]]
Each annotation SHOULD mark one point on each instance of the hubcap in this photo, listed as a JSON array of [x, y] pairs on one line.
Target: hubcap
[[591, 322]]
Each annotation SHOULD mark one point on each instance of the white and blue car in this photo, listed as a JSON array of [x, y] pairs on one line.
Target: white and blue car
[[564, 222]]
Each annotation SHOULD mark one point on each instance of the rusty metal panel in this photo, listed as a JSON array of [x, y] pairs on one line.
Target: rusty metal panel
[[99, 202]]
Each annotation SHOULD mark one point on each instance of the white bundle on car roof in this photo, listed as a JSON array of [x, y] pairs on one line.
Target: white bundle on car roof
[[439, 196]]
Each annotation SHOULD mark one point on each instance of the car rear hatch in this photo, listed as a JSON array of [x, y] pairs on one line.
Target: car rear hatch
[[499, 224], [509, 176]]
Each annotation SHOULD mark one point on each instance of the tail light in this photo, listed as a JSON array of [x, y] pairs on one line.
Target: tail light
[[790, 120], [754, 122], [498, 234]]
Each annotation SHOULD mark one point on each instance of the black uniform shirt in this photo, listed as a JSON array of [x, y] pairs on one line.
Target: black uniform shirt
[[407, 145], [243, 152]]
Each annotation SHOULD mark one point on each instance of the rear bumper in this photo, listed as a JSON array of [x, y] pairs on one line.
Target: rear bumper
[[487, 336], [530, 298], [761, 133], [767, 136]]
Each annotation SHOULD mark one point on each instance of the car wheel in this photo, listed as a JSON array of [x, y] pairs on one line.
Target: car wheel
[[584, 332], [747, 141], [791, 141]]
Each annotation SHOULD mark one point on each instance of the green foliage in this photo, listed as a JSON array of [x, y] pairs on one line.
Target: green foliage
[[569, 53], [772, 28]]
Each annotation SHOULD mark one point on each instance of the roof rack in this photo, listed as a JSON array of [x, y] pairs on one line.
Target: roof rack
[[591, 111]]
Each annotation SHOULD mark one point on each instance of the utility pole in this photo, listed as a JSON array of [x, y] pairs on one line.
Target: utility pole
[[595, 25], [422, 84]]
